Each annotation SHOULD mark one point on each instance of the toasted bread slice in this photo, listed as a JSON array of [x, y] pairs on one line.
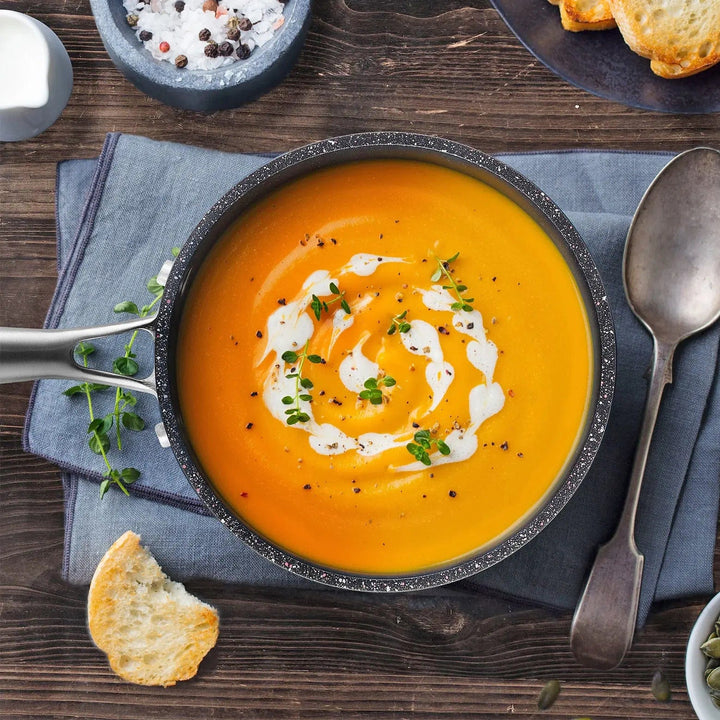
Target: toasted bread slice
[[579, 15], [152, 630], [680, 37]]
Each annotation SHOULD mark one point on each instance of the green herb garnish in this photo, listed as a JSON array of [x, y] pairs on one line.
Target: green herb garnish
[[295, 414], [423, 444], [443, 270], [120, 416], [399, 324], [127, 365], [373, 389], [319, 305], [98, 429]]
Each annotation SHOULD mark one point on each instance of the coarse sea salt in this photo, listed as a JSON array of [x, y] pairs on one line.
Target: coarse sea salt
[[171, 30]]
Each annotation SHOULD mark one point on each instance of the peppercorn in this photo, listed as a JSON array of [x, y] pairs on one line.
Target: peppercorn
[[179, 6], [225, 48], [132, 20], [243, 52], [164, 46], [181, 61], [233, 34], [145, 35], [204, 34], [211, 50], [245, 24]]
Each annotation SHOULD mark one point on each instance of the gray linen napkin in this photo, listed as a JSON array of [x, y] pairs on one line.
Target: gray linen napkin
[[118, 218]]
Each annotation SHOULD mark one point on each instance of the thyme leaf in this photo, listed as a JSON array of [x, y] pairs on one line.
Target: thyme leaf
[[373, 389], [423, 445], [296, 414], [399, 324], [318, 306], [443, 270]]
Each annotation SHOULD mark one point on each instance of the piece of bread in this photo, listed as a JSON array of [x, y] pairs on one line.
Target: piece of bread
[[579, 15], [152, 630], [681, 37]]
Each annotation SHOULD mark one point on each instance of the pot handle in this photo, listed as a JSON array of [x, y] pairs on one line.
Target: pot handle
[[27, 354]]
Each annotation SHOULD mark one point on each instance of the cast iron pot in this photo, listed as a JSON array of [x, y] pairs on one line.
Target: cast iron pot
[[32, 354]]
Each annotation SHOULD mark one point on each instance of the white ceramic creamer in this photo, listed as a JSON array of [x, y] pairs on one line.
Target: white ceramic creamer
[[35, 76]]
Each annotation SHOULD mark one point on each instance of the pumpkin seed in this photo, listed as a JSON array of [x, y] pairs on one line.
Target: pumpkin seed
[[660, 687], [711, 647], [548, 695], [713, 679]]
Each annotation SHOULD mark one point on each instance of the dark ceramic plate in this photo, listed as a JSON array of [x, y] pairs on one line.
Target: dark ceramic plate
[[601, 63]]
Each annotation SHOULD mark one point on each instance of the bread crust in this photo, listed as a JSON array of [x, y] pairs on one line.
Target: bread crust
[[580, 15], [680, 37], [152, 630]]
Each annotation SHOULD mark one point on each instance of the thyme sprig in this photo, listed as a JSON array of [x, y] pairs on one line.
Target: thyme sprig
[[127, 365], [373, 389], [443, 270], [98, 429], [121, 416], [319, 305], [423, 445], [399, 324], [295, 414]]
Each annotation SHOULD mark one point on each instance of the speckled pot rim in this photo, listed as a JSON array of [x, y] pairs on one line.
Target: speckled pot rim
[[449, 154]]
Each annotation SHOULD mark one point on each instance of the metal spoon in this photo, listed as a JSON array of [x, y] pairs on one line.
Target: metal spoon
[[671, 271]]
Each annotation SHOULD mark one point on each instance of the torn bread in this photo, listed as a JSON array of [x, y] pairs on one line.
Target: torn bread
[[152, 630], [680, 37], [579, 15]]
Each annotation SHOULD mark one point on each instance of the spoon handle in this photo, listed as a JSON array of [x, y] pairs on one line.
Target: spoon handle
[[604, 622]]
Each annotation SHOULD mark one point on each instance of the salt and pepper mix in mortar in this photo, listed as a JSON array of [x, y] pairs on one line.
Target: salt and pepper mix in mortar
[[204, 34]]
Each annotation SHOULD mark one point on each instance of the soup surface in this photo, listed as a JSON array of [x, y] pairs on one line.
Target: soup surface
[[384, 366]]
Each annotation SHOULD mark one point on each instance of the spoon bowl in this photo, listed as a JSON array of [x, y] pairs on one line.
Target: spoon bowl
[[671, 268], [671, 271]]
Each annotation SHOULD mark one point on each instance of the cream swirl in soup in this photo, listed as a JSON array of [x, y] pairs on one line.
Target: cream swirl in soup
[[291, 326]]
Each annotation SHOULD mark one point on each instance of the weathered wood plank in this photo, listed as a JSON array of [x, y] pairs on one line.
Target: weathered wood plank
[[451, 69]]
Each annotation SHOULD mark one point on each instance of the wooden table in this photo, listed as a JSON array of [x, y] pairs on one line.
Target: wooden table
[[450, 68]]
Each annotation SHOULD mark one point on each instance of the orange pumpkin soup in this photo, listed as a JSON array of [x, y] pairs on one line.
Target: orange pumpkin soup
[[384, 366]]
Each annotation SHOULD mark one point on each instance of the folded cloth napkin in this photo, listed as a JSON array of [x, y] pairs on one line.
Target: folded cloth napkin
[[118, 218]]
